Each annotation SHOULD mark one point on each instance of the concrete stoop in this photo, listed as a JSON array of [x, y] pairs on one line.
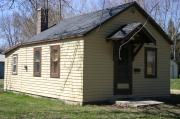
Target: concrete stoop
[[137, 103]]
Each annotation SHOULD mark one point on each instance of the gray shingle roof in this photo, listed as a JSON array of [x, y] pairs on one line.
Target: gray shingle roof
[[81, 25], [125, 30], [78, 25]]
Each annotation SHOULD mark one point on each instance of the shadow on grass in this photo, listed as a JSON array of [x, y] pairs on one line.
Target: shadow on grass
[[163, 111], [173, 100], [148, 112], [170, 108]]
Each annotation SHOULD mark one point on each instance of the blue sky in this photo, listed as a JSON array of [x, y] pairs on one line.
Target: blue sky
[[2, 42], [90, 5]]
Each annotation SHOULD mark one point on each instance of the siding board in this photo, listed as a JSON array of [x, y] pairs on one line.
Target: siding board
[[87, 75], [67, 87], [98, 62]]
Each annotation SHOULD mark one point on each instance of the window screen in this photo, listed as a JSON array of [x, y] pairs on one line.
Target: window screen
[[150, 62], [14, 64], [55, 54], [37, 62]]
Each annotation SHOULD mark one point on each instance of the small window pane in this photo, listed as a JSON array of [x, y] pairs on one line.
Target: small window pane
[[55, 61], [14, 68], [37, 61], [14, 64], [37, 67], [150, 62], [37, 56], [14, 59], [55, 69]]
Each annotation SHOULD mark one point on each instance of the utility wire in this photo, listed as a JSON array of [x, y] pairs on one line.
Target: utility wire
[[120, 47], [102, 13]]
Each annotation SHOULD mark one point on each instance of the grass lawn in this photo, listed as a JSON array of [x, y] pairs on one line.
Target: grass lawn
[[25, 107], [1, 85], [175, 84]]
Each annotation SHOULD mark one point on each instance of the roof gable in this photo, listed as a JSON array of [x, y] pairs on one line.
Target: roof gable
[[127, 31], [154, 23], [78, 25], [124, 31], [81, 25]]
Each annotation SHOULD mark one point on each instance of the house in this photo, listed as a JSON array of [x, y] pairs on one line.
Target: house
[[173, 70], [2, 60], [93, 57]]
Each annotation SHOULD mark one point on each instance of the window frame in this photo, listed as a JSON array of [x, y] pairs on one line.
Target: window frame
[[145, 62], [52, 74], [37, 74], [15, 55]]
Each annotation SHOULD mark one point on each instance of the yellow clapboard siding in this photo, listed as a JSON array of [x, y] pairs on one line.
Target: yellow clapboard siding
[[67, 87], [98, 62], [86, 66]]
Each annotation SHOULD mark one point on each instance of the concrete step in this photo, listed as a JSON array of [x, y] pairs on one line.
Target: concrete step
[[137, 103]]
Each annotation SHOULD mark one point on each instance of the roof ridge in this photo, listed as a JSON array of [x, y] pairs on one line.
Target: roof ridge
[[76, 26], [122, 6], [109, 8]]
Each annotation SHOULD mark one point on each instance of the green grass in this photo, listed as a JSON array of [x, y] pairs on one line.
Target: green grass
[[1, 85], [19, 106], [175, 84]]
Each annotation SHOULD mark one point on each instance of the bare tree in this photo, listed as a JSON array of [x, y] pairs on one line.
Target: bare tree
[[21, 17], [9, 32], [20, 22], [162, 13]]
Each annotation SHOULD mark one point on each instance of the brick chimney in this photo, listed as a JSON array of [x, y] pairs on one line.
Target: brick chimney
[[42, 20]]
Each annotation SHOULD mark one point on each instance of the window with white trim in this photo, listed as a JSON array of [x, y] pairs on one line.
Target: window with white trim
[[55, 58], [14, 64], [150, 62]]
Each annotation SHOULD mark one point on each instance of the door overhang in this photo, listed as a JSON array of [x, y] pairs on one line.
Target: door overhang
[[134, 33], [130, 31], [127, 42]]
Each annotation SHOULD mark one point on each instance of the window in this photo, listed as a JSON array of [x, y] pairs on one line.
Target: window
[[150, 62], [37, 62], [54, 61], [14, 64]]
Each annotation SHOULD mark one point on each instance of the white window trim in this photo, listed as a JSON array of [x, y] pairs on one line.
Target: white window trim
[[15, 56]]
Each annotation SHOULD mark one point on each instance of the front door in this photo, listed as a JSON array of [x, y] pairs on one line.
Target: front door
[[122, 69]]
